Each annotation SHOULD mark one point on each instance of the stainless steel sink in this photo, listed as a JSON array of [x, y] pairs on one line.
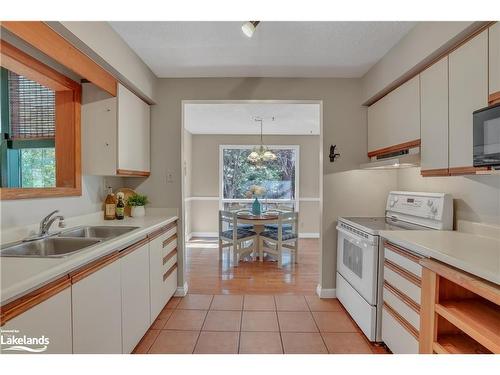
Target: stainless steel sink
[[101, 232], [51, 247]]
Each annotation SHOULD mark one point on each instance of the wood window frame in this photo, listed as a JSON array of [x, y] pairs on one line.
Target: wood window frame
[[68, 113]]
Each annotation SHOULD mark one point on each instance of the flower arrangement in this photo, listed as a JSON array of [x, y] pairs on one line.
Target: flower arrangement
[[255, 191]]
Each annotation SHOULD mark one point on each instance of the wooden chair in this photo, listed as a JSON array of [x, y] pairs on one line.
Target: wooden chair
[[279, 239], [235, 237]]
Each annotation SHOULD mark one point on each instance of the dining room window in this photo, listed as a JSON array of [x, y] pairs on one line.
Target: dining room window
[[278, 178]]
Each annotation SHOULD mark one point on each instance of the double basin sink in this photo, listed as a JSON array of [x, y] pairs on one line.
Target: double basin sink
[[65, 242]]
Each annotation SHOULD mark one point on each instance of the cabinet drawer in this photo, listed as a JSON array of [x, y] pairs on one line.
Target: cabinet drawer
[[169, 244], [395, 336], [170, 259], [170, 282], [403, 258], [399, 302], [402, 280]]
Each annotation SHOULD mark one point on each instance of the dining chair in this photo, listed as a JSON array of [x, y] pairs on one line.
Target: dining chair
[[240, 210], [237, 238], [279, 209], [277, 240]]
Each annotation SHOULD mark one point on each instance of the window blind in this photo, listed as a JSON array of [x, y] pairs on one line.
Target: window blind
[[32, 109]]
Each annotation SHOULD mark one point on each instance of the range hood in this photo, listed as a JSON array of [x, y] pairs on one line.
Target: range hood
[[402, 159]]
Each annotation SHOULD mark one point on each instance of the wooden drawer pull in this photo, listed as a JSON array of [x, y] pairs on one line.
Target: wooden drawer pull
[[162, 230], [402, 252], [133, 247], [169, 272], [167, 257], [403, 273], [169, 240], [404, 323], [403, 297]]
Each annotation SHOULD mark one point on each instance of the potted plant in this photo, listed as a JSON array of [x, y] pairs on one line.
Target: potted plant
[[136, 203]]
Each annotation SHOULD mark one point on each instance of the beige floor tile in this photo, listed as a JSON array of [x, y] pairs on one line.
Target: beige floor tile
[[323, 304], [259, 321], [259, 302], [291, 303], [174, 342], [260, 343], [227, 302], [217, 343], [195, 302], [346, 343], [186, 320], [296, 321], [147, 340], [222, 321], [173, 302], [303, 343], [158, 323], [334, 321], [165, 314]]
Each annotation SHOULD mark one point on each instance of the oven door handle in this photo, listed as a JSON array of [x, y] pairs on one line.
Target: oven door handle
[[354, 238]]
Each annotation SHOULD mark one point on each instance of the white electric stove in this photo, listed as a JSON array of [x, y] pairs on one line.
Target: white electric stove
[[360, 262]]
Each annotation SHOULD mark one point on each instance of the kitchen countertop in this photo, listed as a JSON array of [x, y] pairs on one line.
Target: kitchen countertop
[[21, 275], [475, 254]]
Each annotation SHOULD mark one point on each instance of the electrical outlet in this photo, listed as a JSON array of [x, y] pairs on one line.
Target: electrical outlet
[[170, 177]]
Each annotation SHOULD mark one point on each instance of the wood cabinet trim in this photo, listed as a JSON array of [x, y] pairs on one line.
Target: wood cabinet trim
[[171, 254], [460, 171], [438, 172], [404, 253], [494, 98], [132, 173], [162, 230], [133, 247], [402, 321], [169, 240], [395, 148], [403, 297], [169, 272], [403, 273], [93, 267], [45, 39], [32, 299]]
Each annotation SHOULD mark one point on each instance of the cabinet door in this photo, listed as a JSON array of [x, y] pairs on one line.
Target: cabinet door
[[51, 318], [97, 315], [468, 92], [494, 63], [395, 119], [434, 116], [99, 131], [135, 297], [156, 277], [133, 132]]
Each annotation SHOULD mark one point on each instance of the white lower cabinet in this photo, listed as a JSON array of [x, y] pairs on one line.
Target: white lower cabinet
[[135, 297], [51, 319], [97, 312]]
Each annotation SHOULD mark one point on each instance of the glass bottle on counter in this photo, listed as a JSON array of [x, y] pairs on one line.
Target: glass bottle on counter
[[120, 207], [110, 205]]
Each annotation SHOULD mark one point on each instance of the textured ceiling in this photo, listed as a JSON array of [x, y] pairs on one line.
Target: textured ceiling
[[238, 118], [277, 49]]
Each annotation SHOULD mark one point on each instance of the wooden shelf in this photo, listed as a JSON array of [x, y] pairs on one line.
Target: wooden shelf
[[458, 344], [478, 318]]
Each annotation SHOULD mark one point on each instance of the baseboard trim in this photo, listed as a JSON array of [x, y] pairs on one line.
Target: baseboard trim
[[181, 291], [215, 235], [325, 293]]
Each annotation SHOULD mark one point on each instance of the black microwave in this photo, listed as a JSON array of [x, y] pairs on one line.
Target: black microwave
[[486, 136]]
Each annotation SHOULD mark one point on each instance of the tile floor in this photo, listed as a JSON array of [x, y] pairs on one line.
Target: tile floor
[[254, 324]]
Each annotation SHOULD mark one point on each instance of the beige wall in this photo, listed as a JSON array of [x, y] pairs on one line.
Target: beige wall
[[202, 173], [344, 124], [476, 198]]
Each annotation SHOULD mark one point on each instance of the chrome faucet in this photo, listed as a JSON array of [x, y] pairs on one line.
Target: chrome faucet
[[45, 225]]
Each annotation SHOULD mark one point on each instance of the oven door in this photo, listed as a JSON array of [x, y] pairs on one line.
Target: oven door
[[357, 262], [486, 137]]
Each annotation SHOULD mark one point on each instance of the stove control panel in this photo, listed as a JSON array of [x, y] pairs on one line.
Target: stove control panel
[[434, 209]]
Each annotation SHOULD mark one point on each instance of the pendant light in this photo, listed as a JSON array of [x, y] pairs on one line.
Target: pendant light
[[261, 154], [249, 27]]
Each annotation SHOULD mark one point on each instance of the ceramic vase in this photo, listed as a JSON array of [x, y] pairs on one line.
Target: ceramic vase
[[137, 211], [256, 207]]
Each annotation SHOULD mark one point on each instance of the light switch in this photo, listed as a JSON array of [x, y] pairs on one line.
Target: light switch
[[170, 177]]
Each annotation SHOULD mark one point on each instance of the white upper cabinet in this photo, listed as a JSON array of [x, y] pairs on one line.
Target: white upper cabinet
[[51, 318], [115, 133], [494, 63], [434, 116], [468, 91], [395, 119]]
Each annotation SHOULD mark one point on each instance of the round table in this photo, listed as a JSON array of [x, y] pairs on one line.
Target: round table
[[258, 222]]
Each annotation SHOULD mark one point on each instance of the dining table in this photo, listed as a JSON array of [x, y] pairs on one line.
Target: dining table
[[258, 221]]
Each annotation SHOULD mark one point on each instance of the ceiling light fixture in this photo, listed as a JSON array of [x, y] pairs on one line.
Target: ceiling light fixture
[[261, 154], [249, 27]]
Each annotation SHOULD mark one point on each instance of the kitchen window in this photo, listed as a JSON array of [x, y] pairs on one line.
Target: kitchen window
[[278, 177]]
